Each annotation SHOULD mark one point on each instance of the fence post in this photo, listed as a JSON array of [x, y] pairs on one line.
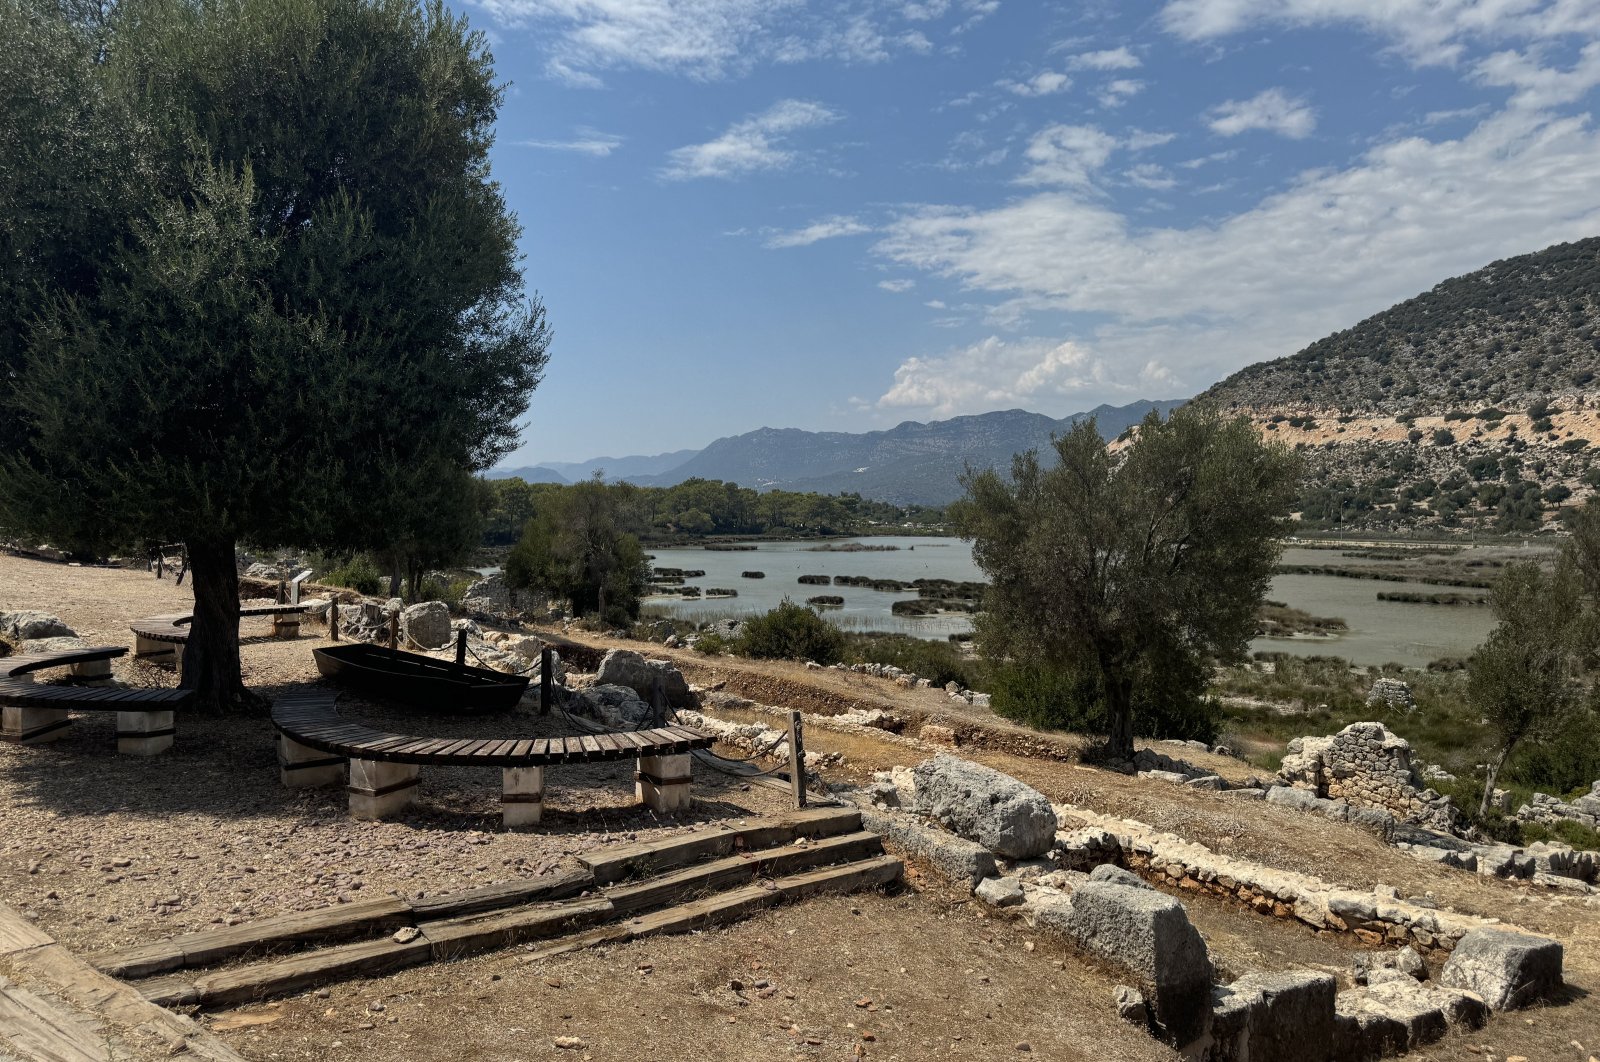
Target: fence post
[[333, 619], [283, 592], [658, 704], [797, 760], [394, 630], [546, 666], [461, 647]]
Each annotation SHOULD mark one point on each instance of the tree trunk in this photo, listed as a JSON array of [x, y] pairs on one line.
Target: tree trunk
[[1490, 778], [1119, 717], [394, 581], [211, 653]]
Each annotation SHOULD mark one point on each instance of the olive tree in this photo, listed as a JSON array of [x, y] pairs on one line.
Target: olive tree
[[254, 276], [576, 548], [1133, 568]]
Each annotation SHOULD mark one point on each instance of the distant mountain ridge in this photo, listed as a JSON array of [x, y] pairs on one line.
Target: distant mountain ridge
[[912, 463]]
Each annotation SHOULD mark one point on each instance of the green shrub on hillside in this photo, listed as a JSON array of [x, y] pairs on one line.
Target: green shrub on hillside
[[939, 661], [359, 574], [791, 632]]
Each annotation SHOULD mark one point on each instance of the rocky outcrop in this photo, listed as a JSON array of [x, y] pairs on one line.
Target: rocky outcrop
[[1366, 765], [962, 861], [1505, 968], [623, 667], [491, 598], [618, 707], [427, 624], [1549, 811], [983, 805]]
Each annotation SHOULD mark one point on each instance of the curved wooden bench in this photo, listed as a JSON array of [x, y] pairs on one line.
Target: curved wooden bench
[[32, 713], [314, 743], [161, 635]]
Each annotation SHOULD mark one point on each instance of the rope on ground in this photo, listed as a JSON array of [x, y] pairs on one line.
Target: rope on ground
[[717, 763]]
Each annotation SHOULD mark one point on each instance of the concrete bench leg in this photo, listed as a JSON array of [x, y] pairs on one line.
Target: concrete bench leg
[[303, 767], [522, 799], [378, 790], [143, 646], [144, 733], [96, 670], [286, 627], [662, 782], [33, 726]]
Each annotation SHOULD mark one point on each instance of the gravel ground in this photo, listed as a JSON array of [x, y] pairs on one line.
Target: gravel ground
[[106, 850]]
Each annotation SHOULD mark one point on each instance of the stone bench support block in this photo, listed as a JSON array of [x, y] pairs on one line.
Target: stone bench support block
[[663, 782], [286, 626], [144, 733], [143, 646], [379, 790], [303, 767], [522, 797], [92, 669], [33, 726]]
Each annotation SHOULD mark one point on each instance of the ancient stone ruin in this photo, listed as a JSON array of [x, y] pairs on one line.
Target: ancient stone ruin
[[1366, 765]]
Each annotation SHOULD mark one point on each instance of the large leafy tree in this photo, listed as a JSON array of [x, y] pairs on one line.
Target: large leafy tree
[[256, 279], [575, 547], [1131, 570]]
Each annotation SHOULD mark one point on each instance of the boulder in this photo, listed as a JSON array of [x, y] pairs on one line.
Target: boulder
[[427, 624], [1132, 1007], [1115, 875], [1504, 968], [618, 707], [1147, 934], [60, 644], [623, 667], [983, 805], [1000, 892], [30, 624], [1294, 1018], [961, 861], [1409, 1014]]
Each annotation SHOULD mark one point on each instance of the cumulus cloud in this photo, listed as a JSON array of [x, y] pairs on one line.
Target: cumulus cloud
[[1116, 93], [1149, 175], [586, 142], [1539, 86], [1206, 298], [1072, 156], [822, 229], [999, 373], [1046, 83], [1274, 111], [751, 145], [1111, 59], [897, 285]]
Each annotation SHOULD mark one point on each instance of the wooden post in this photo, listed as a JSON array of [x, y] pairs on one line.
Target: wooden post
[[658, 704], [394, 630], [546, 666], [160, 563], [461, 647], [797, 761], [283, 593], [333, 618]]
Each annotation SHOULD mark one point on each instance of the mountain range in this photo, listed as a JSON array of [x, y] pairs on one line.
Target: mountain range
[[910, 464]]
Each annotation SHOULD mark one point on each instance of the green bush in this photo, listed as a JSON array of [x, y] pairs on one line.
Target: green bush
[[359, 574], [711, 644], [1164, 704], [941, 662], [1443, 437], [791, 632]]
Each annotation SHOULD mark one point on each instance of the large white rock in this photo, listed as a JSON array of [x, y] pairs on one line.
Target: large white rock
[[29, 624], [616, 706], [1504, 968], [624, 667], [983, 805], [427, 624]]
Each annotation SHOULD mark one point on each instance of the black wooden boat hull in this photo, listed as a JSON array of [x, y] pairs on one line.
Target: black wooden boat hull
[[438, 685]]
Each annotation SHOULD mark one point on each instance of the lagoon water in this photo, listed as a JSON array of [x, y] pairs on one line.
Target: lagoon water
[[1380, 631]]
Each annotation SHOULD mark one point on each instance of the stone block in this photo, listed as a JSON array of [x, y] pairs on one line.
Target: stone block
[[144, 733], [378, 790], [1504, 968], [1000, 892], [1424, 1012], [33, 726], [983, 805], [1147, 934], [522, 796], [623, 667], [1295, 1016], [662, 783], [303, 767], [961, 861], [1115, 875]]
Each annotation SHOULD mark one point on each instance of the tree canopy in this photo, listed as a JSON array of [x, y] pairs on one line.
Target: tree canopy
[[575, 547], [1129, 572], [255, 280]]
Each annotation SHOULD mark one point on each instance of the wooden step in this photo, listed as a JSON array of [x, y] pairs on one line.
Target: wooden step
[[558, 886], [650, 857], [737, 870], [457, 938], [245, 984]]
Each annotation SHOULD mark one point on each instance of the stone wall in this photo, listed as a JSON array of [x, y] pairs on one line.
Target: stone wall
[[1366, 765]]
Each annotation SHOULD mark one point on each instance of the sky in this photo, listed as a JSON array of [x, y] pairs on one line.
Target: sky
[[840, 216]]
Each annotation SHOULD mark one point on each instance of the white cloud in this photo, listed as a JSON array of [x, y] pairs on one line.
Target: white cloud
[[1539, 86], [936, 304], [822, 229], [1118, 92], [1110, 59], [1272, 110], [1046, 83], [1427, 31], [751, 145], [1334, 247], [587, 142], [1206, 160], [997, 373], [1149, 175], [1071, 156], [897, 285]]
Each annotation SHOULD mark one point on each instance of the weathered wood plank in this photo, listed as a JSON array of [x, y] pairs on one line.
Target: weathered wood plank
[[557, 886], [721, 874], [38, 1029], [454, 938], [366, 958], [648, 857]]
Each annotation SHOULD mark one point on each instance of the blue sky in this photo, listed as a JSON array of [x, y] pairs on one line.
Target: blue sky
[[840, 216]]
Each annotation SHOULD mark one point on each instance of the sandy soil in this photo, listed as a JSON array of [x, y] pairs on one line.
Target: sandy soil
[[106, 850]]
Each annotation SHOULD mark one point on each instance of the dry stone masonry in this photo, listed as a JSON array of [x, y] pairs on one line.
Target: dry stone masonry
[[1366, 765]]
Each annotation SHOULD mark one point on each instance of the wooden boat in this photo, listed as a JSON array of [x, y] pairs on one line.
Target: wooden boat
[[440, 685]]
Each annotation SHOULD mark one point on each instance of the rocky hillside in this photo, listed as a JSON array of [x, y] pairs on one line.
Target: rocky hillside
[[1474, 405]]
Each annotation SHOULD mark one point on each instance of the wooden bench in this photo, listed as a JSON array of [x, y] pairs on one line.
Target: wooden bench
[[32, 713], [160, 636], [314, 743]]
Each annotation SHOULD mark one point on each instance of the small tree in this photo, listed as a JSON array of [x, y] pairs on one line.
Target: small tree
[[575, 548], [791, 632], [1524, 678], [1135, 570]]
